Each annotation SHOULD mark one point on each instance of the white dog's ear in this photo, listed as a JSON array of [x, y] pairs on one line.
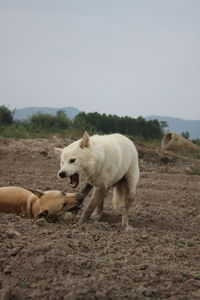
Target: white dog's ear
[[85, 141], [57, 151]]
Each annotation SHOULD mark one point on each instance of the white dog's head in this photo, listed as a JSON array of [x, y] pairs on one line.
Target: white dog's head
[[74, 160]]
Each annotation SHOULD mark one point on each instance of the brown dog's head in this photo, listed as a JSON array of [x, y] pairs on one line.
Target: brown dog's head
[[55, 203]]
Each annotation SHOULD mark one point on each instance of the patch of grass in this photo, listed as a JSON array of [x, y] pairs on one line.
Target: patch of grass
[[196, 275], [166, 170], [110, 261], [181, 243], [153, 143], [194, 171], [195, 152], [197, 142], [26, 132], [125, 259]]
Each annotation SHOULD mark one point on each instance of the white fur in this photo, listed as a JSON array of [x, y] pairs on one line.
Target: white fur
[[104, 161]]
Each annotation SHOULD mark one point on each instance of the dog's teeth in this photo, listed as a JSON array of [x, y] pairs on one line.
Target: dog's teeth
[[74, 181]]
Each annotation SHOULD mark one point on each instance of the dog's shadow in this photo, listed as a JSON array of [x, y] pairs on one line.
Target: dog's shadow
[[110, 218], [116, 218], [146, 221]]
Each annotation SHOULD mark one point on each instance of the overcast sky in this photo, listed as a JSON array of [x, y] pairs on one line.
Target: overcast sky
[[124, 57]]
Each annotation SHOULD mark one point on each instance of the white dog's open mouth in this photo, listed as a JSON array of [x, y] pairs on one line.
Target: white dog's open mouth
[[74, 180]]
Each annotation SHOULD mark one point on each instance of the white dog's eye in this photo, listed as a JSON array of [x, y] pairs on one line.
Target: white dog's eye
[[72, 160]]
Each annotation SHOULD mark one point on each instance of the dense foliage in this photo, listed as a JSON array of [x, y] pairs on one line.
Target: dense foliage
[[59, 121], [6, 116], [43, 124], [111, 123]]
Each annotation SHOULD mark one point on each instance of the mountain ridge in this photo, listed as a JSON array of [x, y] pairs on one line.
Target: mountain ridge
[[179, 125], [26, 112]]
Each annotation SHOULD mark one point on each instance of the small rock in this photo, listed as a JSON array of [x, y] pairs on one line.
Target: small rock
[[191, 243], [9, 294], [5, 294], [197, 294], [13, 252], [41, 222], [44, 231], [70, 296], [12, 233], [144, 235], [148, 292], [43, 248], [39, 260], [143, 267], [7, 270], [66, 217]]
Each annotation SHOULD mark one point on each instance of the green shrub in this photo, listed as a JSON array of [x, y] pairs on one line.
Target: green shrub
[[6, 116], [59, 121]]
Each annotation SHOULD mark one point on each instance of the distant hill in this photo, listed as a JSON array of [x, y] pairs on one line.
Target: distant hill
[[24, 113], [180, 125]]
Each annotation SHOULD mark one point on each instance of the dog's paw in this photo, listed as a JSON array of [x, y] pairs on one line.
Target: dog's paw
[[95, 217]]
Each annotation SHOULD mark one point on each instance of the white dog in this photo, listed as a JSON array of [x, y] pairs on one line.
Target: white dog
[[103, 162]]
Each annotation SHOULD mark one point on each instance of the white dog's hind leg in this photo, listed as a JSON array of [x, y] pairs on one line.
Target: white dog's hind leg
[[125, 215], [95, 201], [122, 198], [119, 193], [132, 178]]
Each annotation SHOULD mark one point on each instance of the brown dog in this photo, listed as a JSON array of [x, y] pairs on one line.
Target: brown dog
[[31, 203]]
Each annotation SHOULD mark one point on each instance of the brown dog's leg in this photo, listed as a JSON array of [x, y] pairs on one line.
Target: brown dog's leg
[[95, 201]]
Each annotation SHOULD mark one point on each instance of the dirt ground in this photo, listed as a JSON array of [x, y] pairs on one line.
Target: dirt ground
[[160, 259]]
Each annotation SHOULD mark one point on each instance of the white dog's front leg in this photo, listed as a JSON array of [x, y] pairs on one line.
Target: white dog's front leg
[[95, 201], [86, 190]]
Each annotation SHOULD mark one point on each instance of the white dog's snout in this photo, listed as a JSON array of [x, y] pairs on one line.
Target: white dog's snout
[[62, 174]]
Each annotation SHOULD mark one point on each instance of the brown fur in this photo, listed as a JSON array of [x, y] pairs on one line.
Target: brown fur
[[31, 203]]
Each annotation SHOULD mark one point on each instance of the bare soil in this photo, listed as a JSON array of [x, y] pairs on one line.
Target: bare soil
[[160, 259]]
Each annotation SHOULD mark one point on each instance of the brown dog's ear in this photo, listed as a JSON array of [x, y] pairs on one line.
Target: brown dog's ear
[[85, 140], [57, 151], [37, 193]]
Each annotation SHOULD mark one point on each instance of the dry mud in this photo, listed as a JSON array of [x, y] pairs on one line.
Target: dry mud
[[160, 259]]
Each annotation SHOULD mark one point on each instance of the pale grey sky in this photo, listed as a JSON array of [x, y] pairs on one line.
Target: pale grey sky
[[122, 57]]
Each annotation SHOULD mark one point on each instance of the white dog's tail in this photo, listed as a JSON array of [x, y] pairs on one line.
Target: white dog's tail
[[124, 191], [119, 193]]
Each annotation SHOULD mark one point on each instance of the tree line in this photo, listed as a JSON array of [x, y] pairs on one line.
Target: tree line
[[93, 122], [103, 123]]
